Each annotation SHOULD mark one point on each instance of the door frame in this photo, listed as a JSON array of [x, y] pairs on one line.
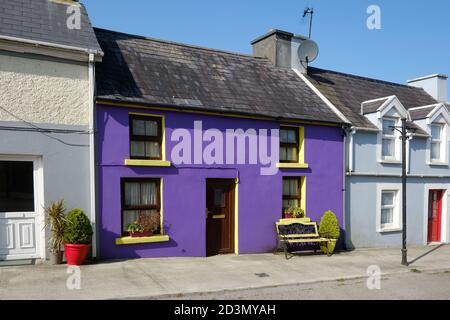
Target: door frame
[[234, 207], [444, 214], [38, 185]]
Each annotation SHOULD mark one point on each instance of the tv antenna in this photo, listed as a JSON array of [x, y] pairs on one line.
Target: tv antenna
[[309, 11]]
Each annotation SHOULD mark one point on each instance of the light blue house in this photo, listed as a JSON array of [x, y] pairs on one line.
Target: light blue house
[[373, 157]]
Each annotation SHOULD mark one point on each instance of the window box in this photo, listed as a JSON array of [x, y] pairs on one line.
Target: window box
[[139, 240], [147, 163]]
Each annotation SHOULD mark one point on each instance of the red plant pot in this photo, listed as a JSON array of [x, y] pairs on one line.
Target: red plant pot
[[288, 215], [76, 253], [136, 234]]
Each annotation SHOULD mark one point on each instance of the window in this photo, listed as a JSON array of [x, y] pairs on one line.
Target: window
[[289, 144], [388, 141], [140, 197], [389, 214], [145, 137], [436, 142], [16, 186], [291, 192]]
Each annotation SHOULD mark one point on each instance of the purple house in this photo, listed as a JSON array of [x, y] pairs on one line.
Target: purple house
[[207, 147]]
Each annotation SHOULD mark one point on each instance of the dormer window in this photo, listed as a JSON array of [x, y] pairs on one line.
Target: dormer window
[[436, 150], [388, 149]]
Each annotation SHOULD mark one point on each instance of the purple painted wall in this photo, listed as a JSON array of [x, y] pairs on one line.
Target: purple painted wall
[[184, 194]]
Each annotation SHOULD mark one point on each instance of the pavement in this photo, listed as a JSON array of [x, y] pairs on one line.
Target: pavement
[[174, 277]]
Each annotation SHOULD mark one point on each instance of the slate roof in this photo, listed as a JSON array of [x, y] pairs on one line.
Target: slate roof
[[347, 92], [372, 106], [45, 21], [156, 72], [421, 113]]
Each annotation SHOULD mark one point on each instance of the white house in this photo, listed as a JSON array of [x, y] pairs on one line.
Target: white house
[[46, 118]]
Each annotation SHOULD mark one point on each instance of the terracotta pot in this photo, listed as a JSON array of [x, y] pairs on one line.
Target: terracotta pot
[[76, 253]]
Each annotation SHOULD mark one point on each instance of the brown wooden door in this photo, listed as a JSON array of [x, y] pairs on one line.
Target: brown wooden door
[[219, 216], [434, 216]]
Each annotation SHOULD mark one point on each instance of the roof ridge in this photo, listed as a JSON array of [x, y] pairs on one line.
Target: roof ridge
[[366, 78], [180, 44]]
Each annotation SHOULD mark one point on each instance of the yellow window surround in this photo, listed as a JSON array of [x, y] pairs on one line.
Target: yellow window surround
[[301, 152], [137, 240], [151, 163], [152, 239]]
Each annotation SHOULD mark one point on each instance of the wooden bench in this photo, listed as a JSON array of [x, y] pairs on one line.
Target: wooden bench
[[297, 231]]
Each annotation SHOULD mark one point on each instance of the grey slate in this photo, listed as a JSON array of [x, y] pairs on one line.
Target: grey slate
[[45, 21], [156, 72], [421, 113], [347, 92], [373, 106]]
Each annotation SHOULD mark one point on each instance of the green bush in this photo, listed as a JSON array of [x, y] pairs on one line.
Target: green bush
[[329, 226], [78, 228]]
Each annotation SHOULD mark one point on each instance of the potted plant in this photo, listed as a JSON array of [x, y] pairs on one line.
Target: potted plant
[[294, 213], [329, 229], [288, 213], [77, 237], [145, 225], [55, 220]]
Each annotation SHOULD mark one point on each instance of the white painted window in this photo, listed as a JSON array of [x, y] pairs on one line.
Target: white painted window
[[389, 215], [388, 148], [437, 145]]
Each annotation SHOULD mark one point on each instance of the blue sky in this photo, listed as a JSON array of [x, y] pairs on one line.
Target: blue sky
[[414, 39]]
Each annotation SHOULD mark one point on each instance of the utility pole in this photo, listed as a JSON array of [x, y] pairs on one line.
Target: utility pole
[[404, 250], [403, 129]]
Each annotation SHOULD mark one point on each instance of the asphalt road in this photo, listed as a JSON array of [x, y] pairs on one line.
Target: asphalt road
[[415, 285]]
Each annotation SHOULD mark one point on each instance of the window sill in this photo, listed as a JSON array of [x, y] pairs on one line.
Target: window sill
[[137, 240], [389, 229], [389, 161], [441, 164], [286, 165], [147, 163]]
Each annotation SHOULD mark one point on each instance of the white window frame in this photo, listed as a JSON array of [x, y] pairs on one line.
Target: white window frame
[[442, 142], [395, 137], [396, 208]]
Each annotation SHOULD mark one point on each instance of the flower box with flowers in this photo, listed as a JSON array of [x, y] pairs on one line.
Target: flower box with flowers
[[145, 226]]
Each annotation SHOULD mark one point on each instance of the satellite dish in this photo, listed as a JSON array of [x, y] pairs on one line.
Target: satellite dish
[[308, 51]]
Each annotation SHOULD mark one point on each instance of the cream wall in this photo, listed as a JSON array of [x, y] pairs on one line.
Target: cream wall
[[43, 91]]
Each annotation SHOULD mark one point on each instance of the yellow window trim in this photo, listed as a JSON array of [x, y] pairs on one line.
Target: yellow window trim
[[137, 240], [147, 163], [286, 165], [303, 194], [301, 149], [163, 143]]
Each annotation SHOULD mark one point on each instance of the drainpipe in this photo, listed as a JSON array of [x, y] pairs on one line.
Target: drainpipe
[[92, 171], [351, 133]]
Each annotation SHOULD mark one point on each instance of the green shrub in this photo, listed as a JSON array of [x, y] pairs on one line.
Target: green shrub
[[56, 221], [329, 226], [78, 228]]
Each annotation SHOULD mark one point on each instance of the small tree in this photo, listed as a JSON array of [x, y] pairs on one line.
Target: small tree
[[55, 220], [329, 226], [78, 228]]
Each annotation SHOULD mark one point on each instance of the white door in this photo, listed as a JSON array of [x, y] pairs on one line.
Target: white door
[[19, 208]]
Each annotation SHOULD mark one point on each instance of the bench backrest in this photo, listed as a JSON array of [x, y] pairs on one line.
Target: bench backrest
[[297, 229]]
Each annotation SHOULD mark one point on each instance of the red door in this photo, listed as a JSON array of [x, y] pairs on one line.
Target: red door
[[434, 215], [219, 216]]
